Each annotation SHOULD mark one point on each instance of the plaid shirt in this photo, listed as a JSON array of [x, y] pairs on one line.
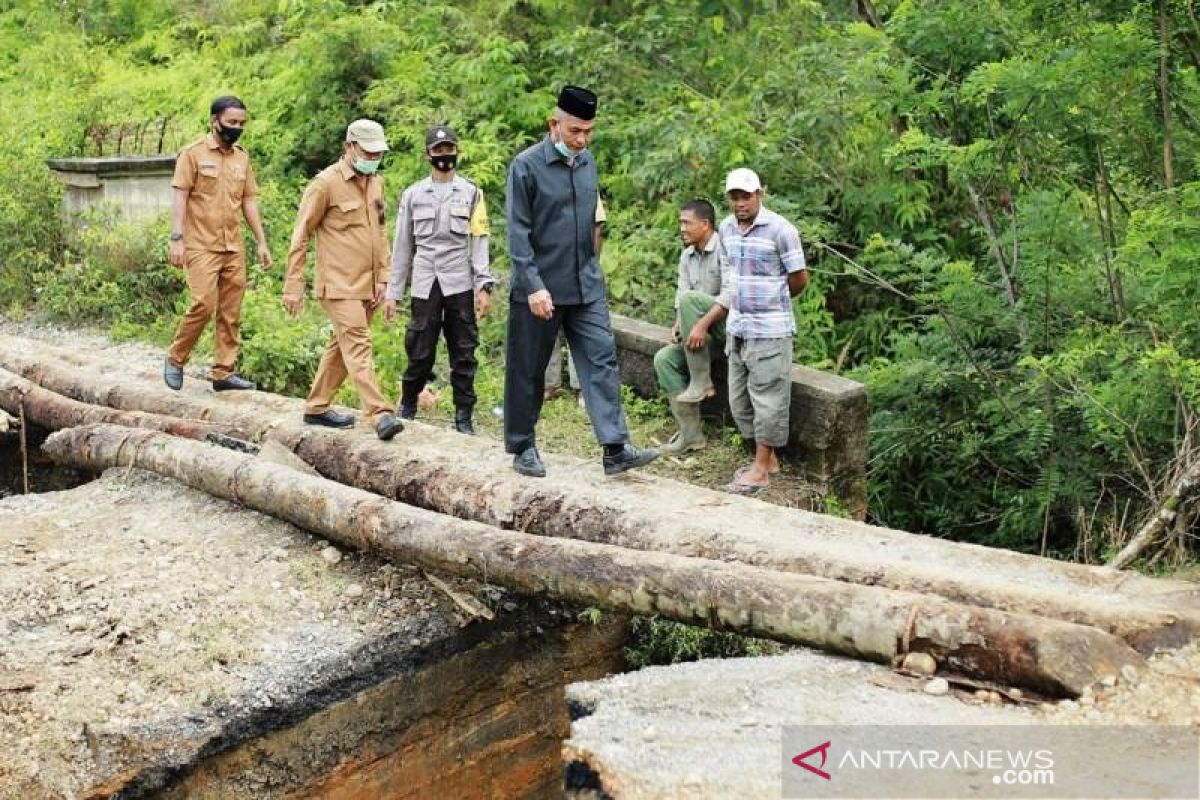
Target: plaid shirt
[[756, 279]]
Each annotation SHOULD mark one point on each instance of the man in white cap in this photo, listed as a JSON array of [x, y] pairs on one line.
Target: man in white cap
[[764, 270], [344, 206]]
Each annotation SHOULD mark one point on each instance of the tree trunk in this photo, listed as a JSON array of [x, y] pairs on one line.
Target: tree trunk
[[1164, 91], [867, 622], [471, 478], [54, 411], [1164, 514]]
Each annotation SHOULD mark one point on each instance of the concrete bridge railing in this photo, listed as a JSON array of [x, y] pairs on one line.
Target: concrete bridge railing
[[828, 419]]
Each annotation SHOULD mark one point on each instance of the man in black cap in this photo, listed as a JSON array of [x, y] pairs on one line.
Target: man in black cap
[[441, 248], [553, 209]]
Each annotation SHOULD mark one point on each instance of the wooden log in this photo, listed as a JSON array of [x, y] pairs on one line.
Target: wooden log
[[470, 477], [1048, 656], [53, 411]]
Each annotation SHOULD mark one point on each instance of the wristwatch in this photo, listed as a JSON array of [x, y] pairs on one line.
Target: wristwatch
[[175, 237]]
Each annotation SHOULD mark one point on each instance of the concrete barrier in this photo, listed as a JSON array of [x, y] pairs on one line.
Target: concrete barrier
[[828, 419], [138, 186]]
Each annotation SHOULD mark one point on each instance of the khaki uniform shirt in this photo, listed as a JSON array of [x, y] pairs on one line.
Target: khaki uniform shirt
[[217, 181], [347, 212], [442, 238], [700, 270]]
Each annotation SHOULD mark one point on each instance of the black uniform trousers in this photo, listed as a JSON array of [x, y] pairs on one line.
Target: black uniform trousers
[[594, 349], [456, 315]]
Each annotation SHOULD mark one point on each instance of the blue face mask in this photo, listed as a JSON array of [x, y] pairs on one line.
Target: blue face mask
[[365, 167], [564, 151]]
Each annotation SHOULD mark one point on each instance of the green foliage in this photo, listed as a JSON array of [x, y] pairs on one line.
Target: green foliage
[[655, 641], [996, 248]]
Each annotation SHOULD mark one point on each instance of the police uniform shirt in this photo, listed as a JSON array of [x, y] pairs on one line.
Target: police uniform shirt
[[441, 234]]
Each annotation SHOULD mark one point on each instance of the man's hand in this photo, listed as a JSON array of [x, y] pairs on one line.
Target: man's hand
[[389, 311], [697, 337], [380, 289], [675, 330], [483, 303], [264, 256], [175, 253], [541, 305], [292, 303]]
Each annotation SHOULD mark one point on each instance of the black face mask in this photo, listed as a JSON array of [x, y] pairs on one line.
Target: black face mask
[[444, 163], [228, 135]]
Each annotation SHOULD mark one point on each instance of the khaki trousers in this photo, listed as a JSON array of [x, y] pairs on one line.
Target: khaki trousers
[[217, 283], [349, 353]]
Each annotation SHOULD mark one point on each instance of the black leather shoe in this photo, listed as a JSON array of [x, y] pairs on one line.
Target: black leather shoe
[[529, 463], [232, 383], [387, 426], [330, 419], [463, 423], [172, 375], [406, 411], [628, 457]]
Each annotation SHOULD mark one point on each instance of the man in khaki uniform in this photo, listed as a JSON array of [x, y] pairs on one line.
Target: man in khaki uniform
[[344, 206], [213, 180]]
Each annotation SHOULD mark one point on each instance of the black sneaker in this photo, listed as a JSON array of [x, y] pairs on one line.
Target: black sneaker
[[529, 463], [407, 411], [627, 458], [330, 419], [463, 423], [232, 383]]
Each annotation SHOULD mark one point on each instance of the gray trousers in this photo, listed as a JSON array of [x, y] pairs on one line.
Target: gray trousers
[[593, 349], [760, 388]]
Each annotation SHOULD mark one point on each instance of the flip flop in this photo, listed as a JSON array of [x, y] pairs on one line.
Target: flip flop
[[740, 471], [747, 489]]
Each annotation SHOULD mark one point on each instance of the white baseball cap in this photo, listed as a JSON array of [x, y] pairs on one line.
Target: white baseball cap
[[369, 134], [743, 179]]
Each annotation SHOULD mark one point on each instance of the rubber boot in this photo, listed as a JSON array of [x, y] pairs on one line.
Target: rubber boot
[[691, 434], [700, 387], [462, 421]]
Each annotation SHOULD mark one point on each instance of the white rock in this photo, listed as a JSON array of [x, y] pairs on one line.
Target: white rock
[[1109, 680], [1129, 673], [920, 663], [937, 687], [331, 555]]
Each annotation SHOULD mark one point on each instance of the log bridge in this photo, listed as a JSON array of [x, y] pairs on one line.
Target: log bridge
[[451, 504]]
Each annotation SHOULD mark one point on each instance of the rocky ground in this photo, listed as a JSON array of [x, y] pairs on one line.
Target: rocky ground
[[713, 729], [133, 603]]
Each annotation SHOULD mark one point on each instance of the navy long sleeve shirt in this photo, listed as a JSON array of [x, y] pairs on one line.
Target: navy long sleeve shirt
[[551, 211]]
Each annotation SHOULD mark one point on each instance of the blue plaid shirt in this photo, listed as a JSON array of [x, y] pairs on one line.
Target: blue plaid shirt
[[754, 286]]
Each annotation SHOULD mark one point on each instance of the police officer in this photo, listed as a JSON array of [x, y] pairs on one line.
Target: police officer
[[214, 181], [552, 204], [344, 206], [442, 247]]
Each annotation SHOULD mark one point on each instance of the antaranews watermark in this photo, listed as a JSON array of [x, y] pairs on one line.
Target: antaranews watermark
[[998, 761]]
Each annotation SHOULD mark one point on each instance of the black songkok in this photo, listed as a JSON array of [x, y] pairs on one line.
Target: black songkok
[[578, 102]]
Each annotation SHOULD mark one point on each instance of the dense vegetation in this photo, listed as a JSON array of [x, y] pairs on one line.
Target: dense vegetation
[[999, 199]]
